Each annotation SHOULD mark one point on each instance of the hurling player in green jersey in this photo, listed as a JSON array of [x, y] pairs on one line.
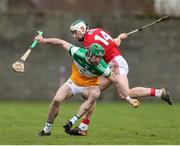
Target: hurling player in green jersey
[[88, 64]]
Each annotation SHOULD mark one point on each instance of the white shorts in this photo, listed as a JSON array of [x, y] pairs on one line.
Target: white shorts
[[75, 88], [119, 65]]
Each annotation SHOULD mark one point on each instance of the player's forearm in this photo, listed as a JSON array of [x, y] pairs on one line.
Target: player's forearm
[[55, 41], [119, 39]]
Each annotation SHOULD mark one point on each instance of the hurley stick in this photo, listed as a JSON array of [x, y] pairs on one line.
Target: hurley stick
[[18, 66], [146, 26]]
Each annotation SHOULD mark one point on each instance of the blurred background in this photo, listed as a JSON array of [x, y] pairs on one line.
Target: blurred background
[[153, 55]]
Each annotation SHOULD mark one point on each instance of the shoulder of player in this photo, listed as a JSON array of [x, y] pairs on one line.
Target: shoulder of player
[[74, 49], [93, 31], [89, 36], [103, 63]]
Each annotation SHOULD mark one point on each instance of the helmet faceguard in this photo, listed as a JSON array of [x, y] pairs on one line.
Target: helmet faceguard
[[77, 25], [95, 49]]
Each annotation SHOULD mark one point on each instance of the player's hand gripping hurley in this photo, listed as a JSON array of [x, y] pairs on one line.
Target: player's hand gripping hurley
[[146, 26], [19, 65]]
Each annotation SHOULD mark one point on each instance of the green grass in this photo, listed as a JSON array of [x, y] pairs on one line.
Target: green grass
[[112, 123]]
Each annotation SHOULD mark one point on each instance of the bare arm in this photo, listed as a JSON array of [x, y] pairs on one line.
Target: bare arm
[[54, 41], [120, 37]]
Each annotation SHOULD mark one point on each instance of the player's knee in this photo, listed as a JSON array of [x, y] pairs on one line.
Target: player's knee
[[95, 94], [93, 97]]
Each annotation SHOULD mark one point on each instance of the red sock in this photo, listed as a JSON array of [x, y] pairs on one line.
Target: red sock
[[85, 121], [153, 91]]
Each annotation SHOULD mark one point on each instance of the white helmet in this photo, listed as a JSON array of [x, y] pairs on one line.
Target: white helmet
[[78, 24]]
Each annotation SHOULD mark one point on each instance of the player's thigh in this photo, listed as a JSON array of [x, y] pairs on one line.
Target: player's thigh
[[64, 92], [122, 81], [120, 68]]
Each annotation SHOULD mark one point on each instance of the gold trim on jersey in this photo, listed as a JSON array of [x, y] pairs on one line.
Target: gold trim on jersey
[[82, 80]]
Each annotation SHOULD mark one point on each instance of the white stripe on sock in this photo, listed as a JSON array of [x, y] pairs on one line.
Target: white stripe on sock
[[74, 119], [158, 92]]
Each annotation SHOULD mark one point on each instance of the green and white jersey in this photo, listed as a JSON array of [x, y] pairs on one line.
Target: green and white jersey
[[89, 70]]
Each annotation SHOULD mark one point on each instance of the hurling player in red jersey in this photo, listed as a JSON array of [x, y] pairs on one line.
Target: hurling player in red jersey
[[113, 57]]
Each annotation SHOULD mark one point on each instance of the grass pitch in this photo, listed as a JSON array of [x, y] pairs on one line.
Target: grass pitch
[[112, 123]]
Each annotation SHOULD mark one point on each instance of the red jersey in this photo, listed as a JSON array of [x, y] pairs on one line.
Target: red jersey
[[101, 37]]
